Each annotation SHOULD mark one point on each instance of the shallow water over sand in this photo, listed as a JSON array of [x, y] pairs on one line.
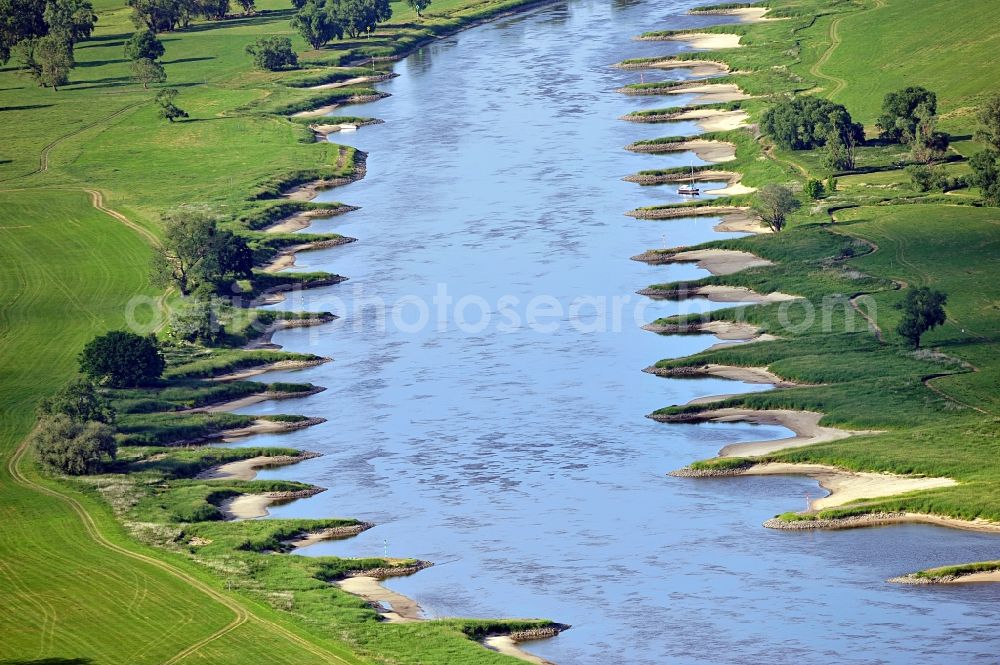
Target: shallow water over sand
[[519, 460]]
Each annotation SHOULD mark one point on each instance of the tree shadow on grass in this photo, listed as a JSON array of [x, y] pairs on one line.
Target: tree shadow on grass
[[263, 18], [100, 63], [179, 60], [121, 36], [99, 45], [26, 107]]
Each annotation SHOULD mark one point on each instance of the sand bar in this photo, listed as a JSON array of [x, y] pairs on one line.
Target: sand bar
[[507, 646], [705, 41], [403, 609], [849, 486], [721, 261], [711, 93]]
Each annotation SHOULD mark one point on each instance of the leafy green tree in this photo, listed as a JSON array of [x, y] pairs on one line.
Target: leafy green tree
[[159, 15], [80, 401], [168, 110], [213, 10], [814, 189], [831, 184], [803, 123], [928, 143], [73, 447], [318, 22], [986, 175], [899, 119], [196, 321], [122, 359], [196, 253], [52, 60], [419, 5], [360, 16], [248, 6], [773, 204], [74, 20], [144, 44], [989, 122], [20, 20], [923, 309], [272, 53], [146, 71]]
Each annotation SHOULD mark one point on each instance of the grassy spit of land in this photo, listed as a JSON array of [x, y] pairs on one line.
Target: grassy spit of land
[[136, 565], [850, 258]]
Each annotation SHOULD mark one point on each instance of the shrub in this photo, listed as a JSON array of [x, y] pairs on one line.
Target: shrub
[[272, 53], [197, 321], [814, 189], [71, 446], [122, 359], [986, 175], [79, 401], [926, 178]]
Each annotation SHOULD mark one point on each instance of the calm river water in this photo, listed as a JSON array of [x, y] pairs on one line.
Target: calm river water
[[507, 442]]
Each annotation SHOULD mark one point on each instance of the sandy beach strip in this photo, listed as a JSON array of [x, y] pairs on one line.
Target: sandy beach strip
[[719, 293], [253, 506], [699, 68], [745, 14], [732, 372], [262, 426], [805, 425], [703, 41], [507, 646], [849, 486], [403, 609], [711, 93], [710, 151], [716, 261], [279, 366], [246, 469], [715, 120]]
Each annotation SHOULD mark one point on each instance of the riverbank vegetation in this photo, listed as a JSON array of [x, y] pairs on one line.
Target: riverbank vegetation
[[892, 169], [153, 123]]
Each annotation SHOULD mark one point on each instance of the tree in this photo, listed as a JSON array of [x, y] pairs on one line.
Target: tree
[[52, 58], [419, 5], [72, 19], [196, 253], [831, 184], [248, 6], [20, 20], [80, 401], [122, 359], [928, 144], [814, 189], [804, 123], [898, 122], [144, 45], [159, 15], [272, 53], [358, 16], [986, 175], [196, 321], [146, 71], [923, 309], [318, 23], [71, 446], [989, 122], [773, 203], [210, 9], [168, 110]]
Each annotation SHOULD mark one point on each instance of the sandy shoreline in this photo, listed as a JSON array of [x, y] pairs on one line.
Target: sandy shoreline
[[279, 366], [246, 469], [253, 506], [745, 14], [717, 293], [744, 374], [710, 151], [261, 426], [716, 261], [703, 41], [711, 93]]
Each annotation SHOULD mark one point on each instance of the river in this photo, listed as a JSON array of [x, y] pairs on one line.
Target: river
[[515, 454]]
